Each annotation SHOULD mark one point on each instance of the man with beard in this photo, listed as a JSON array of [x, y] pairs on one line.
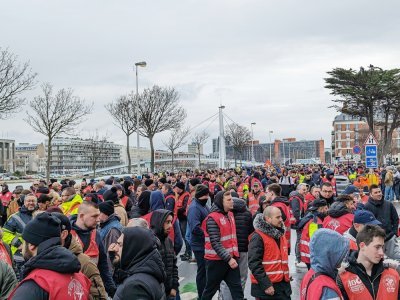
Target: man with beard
[[52, 271], [268, 257], [256, 197], [308, 225], [327, 193]]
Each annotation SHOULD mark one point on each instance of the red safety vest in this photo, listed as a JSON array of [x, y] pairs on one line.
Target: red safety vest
[[285, 208], [179, 202], [240, 190], [171, 234], [59, 286], [254, 203], [353, 245], [355, 288], [5, 198], [275, 259], [4, 255], [313, 290], [227, 229], [304, 246], [308, 198], [341, 224], [87, 190], [124, 201], [93, 250], [301, 203]]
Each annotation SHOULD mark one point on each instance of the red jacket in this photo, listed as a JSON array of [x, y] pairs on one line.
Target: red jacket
[[313, 290], [340, 224]]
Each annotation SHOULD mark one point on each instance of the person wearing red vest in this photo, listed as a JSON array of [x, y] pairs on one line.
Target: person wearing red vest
[[221, 248], [330, 177], [313, 194], [328, 250], [308, 225], [268, 257], [5, 198], [5, 251], [256, 197], [52, 271], [366, 277], [273, 194], [180, 210], [84, 230], [340, 214]]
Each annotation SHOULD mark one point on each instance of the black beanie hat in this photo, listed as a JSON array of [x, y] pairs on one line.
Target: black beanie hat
[[107, 207], [201, 190], [317, 203], [111, 194], [65, 223], [45, 226], [180, 185], [194, 181], [148, 182], [163, 180]]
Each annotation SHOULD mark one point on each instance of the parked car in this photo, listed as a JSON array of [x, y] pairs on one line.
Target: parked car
[[341, 183]]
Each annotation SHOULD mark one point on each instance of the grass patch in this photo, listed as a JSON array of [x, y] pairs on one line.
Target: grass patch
[[189, 287]]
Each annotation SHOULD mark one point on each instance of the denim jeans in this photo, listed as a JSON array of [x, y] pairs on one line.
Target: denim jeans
[[389, 194]]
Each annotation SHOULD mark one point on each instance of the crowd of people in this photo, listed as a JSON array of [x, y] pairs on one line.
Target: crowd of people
[[121, 238]]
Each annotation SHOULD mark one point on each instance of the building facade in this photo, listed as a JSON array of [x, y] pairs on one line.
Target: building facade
[[7, 155], [30, 158]]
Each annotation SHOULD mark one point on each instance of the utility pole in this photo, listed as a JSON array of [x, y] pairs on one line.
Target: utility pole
[[221, 162]]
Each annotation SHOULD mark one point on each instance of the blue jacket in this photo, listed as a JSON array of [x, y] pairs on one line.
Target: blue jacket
[[197, 212], [327, 250], [156, 200]]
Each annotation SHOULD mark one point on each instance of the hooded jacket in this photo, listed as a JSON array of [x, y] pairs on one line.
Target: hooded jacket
[[156, 200], [256, 254], [143, 205], [166, 249], [198, 211], [339, 218], [384, 212], [244, 223], [51, 256], [141, 274]]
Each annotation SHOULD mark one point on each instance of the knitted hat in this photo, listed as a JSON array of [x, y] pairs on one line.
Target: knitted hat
[[111, 194], [180, 185], [148, 182], [317, 203], [45, 226], [194, 181], [107, 207], [162, 180], [201, 190]]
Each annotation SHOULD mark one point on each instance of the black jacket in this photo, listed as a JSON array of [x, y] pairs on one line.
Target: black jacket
[[285, 201], [370, 282], [51, 256], [141, 274], [256, 253], [385, 212], [166, 249], [294, 201], [143, 205], [244, 223]]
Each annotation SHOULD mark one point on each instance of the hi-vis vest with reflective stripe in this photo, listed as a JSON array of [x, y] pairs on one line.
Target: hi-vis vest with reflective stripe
[[275, 259], [227, 229], [93, 250], [305, 240], [254, 203], [355, 288]]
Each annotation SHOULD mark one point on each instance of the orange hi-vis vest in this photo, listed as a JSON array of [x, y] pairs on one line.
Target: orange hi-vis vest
[[286, 211], [275, 259], [254, 203], [388, 286], [313, 284], [227, 229], [305, 238], [179, 202], [93, 250], [4, 255], [60, 286]]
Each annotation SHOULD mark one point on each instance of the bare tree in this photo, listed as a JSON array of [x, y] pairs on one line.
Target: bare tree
[[176, 140], [97, 150], [124, 114], [159, 111], [199, 140], [15, 78], [55, 114], [239, 137]]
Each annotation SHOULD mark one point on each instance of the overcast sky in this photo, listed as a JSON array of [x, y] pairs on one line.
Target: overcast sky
[[264, 60]]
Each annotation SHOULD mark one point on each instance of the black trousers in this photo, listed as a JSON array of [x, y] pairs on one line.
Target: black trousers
[[201, 271], [218, 270], [183, 226]]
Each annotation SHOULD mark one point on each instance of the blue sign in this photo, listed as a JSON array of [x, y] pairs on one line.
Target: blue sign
[[371, 150], [371, 162], [356, 149]]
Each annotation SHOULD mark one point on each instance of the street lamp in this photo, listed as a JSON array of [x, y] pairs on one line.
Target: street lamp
[[138, 64], [252, 143], [270, 146]]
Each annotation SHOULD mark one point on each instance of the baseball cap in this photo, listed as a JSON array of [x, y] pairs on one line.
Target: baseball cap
[[365, 217]]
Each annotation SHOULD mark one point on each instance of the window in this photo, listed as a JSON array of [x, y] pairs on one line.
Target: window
[[348, 144], [347, 135], [347, 127]]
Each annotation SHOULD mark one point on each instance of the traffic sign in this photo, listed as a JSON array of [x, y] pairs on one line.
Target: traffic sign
[[357, 157], [348, 156], [371, 162], [371, 150], [371, 140], [356, 149]]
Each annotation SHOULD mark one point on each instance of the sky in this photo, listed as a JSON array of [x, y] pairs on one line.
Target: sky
[[265, 61]]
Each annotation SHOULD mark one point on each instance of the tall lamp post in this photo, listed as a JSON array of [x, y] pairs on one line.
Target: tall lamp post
[[270, 146], [138, 64], [252, 142]]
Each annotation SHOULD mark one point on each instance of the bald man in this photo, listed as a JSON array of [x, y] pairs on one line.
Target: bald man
[[268, 257]]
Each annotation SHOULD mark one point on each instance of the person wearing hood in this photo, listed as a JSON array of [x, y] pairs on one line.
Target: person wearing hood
[[141, 271], [112, 194], [169, 196], [244, 228], [88, 268], [268, 257], [308, 225], [197, 213], [51, 271], [273, 194], [161, 224], [327, 193], [70, 201], [157, 200], [143, 205], [330, 178], [366, 277], [221, 248], [340, 214], [328, 250]]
